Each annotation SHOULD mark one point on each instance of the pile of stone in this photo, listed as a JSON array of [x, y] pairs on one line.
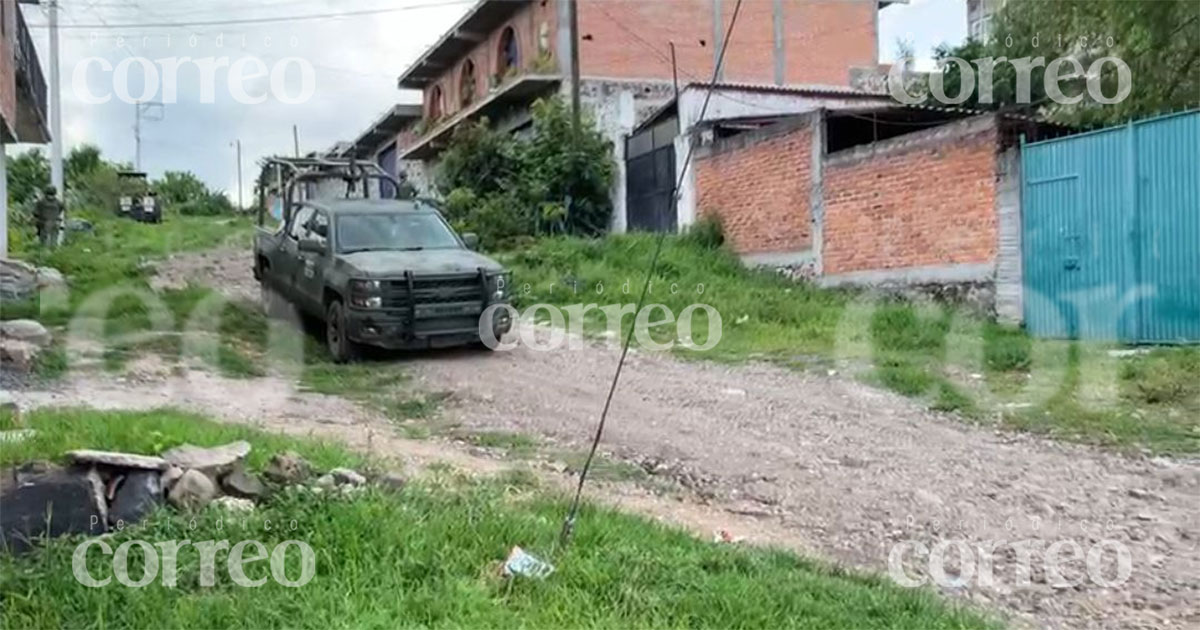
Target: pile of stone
[[101, 490], [21, 341]]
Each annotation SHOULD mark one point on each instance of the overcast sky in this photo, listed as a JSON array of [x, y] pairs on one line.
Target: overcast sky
[[355, 61]]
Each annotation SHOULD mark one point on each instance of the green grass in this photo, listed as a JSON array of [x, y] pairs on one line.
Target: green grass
[[427, 557], [379, 385], [940, 354], [108, 274]]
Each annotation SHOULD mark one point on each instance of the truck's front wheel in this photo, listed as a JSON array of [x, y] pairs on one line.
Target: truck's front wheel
[[341, 348]]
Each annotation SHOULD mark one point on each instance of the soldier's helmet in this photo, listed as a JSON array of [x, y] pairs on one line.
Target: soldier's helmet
[[50, 191]]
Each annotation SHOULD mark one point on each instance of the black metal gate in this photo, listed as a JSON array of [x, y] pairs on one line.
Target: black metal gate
[[650, 178]]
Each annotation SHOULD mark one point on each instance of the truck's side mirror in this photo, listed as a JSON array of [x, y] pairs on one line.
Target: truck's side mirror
[[312, 245], [471, 240]]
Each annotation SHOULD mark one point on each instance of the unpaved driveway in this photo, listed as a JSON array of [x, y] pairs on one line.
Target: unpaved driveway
[[846, 471]]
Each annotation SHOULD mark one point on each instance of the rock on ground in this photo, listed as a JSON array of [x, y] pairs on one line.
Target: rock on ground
[[242, 484], [215, 461], [288, 467], [118, 460], [18, 280], [192, 491], [138, 495], [25, 330], [74, 497]]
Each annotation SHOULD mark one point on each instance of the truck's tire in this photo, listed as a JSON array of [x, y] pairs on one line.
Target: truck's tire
[[341, 348]]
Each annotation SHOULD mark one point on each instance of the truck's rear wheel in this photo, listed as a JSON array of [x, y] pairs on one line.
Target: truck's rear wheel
[[341, 348]]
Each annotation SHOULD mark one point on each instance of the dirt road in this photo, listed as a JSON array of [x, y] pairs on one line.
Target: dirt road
[[838, 469]]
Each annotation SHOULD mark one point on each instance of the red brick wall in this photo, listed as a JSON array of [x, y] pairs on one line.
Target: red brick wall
[[922, 199], [760, 191], [823, 39], [535, 22]]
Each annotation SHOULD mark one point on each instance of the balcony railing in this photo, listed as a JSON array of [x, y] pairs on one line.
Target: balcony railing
[[29, 71]]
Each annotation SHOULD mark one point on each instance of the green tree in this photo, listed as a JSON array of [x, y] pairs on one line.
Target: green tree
[[28, 176], [178, 187], [553, 180], [1159, 41]]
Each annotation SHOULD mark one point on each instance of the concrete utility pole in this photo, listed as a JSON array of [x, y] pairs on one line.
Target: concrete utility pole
[[241, 206], [296, 140], [56, 152], [3, 201], [140, 108], [573, 25]]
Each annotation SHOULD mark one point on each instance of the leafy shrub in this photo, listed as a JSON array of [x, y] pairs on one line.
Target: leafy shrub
[[553, 181], [706, 233], [209, 204]]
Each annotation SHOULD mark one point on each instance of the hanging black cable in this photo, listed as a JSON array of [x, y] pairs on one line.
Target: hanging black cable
[[569, 523]]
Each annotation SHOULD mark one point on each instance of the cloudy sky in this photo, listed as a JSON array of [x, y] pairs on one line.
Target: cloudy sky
[[355, 60]]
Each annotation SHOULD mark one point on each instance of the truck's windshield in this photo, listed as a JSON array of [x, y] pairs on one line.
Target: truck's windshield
[[407, 231]]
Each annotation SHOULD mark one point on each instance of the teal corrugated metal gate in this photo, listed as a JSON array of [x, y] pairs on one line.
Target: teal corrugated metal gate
[[1111, 233]]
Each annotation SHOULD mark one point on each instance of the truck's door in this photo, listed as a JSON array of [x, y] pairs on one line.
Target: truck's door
[[289, 253], [309, 278]]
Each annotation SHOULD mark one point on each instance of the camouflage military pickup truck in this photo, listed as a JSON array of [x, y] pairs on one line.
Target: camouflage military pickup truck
[[390, 273]]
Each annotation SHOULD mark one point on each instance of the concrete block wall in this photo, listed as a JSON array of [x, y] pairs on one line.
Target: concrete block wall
[[758, 185]]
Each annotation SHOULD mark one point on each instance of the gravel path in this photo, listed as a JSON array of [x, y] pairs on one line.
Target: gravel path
[[849, 472]]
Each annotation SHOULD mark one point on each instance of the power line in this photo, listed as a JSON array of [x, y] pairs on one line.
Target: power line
[[263, 20], [569, 521]]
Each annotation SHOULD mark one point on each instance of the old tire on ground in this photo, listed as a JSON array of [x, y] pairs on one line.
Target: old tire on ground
[[341, 348]]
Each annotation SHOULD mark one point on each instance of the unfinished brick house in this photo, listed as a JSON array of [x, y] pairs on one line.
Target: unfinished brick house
[[916, 198], [22, 96], [505, 54]]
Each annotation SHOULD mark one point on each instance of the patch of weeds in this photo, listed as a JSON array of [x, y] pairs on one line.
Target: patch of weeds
[[604, 468], [904, 376], [1006, 348], [951, 399], [1164, 376], [8, 419], [51, 364], [518, 479], [518, 445], [418, 407]]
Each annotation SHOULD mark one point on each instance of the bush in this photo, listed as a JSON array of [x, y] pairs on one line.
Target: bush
[[706, 233], [554, 181], [209, 204]]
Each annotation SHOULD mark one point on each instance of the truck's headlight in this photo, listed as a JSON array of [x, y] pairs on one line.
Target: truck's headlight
[[365, 286], [362, 301]]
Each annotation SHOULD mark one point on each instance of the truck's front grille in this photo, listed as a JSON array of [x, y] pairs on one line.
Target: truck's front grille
[[434, 290]]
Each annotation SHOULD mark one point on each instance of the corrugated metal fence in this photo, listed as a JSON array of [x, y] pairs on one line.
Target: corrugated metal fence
[[1111, 233]]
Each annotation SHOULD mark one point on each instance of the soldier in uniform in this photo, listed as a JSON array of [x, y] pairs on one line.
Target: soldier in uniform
[[49, 214]]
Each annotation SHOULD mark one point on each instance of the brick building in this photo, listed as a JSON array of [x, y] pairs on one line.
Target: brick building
[[504, 54], [22, 96], [892, 197]]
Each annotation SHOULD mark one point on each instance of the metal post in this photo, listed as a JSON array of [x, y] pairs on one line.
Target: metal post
[[56, 152], [573, 25], [296, 139]]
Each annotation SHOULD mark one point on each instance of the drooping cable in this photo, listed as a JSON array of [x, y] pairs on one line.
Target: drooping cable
[[569, 522]]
